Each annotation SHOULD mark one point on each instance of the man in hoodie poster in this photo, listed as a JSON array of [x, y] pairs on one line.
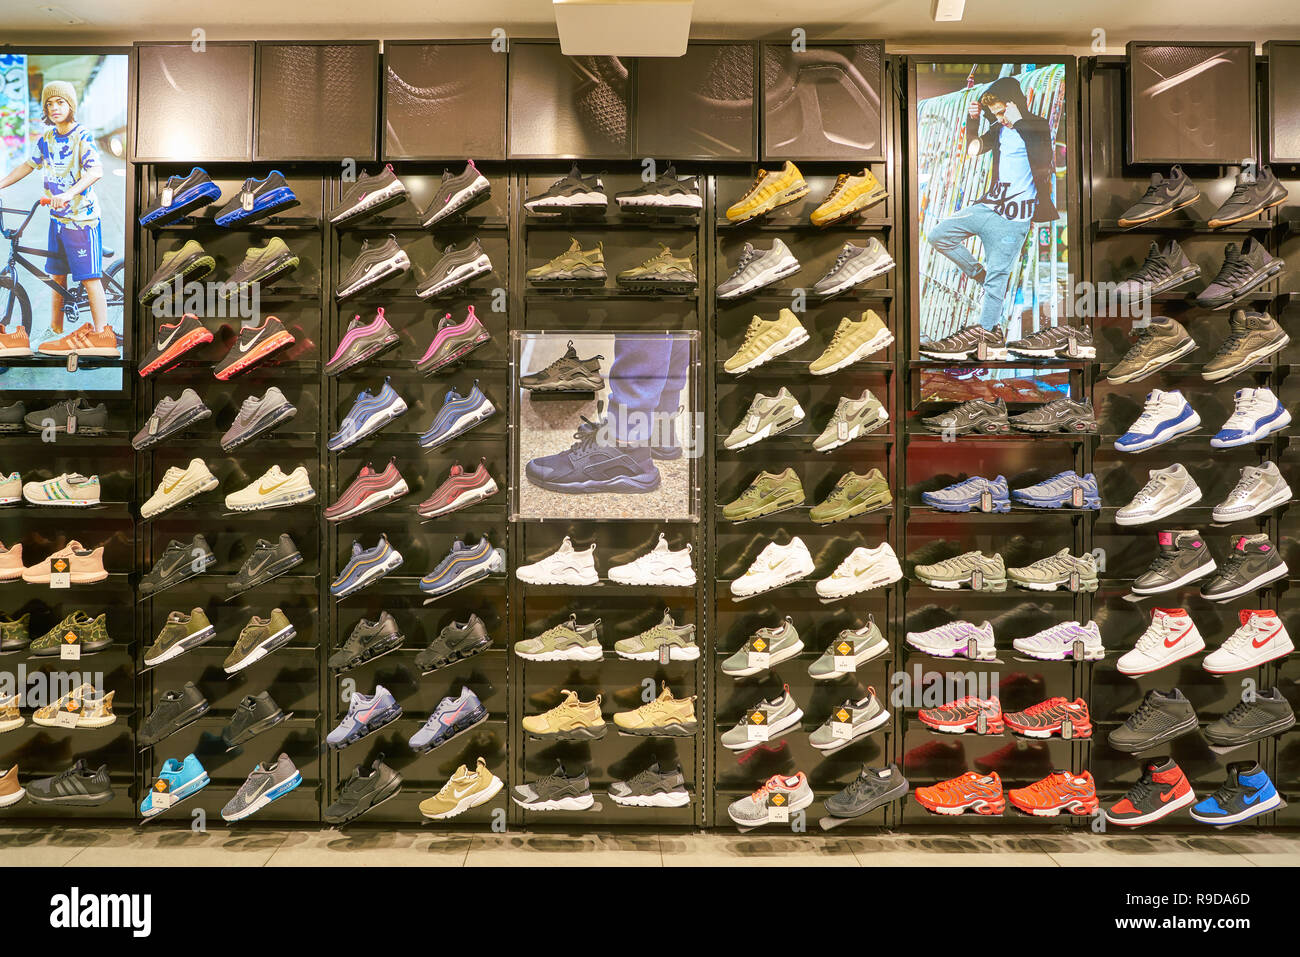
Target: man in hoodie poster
[[1019, 192]]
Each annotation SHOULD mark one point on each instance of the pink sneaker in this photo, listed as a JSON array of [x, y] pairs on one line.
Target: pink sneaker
[[452, 341], [11, 562], [362, 341]]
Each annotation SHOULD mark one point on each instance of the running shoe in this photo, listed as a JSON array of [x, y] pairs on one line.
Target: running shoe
[[986, 495], [452, 341], [661, 566], [1245, 268], [455, 642], [765, 340], [188, 263], [974, 415], [177, 487], [454, 269], [852, 418], [364, 791], [862, 570], [79, 708], [457, 416], [181, 632], [851, 648], [172, 341], [368, 491], [1059, 415], [261, 266], [68, 416], [1163, 196], [85, 565], [849, 722], [663, 273], [775, 565], [78, 786], [455, 194], [967, 344], [872, 788], [653, 787], [764, 649], [1164, 269], [179, 561], [367, 713], [780, 796], [567, 641], [170, 417], [854, 340], [265, 783], [851, 194], [463, 565], [571, 720], [369, 414], [1055, 342], [178, 779], [373, 264], [361, 342], [258, 639], [254, 715], [1059, 791], [1256, 190], [1064, 640], [757, 269], [367, 194], [575, 264], [265, 562], [974, 570], [1051, 717], [981, 793], [83, 341], [570, 193], [559, 791], [981, 715], [767, 416], [258, 416], [179, 196], [594, 463], [369, 640], [564, 566], [459, 490], [854, 266], [465, 789], [450, 719], [1160, 791], [1077, 573], [766, 720], [568, 373], [87, 633], [253, 345], [366, 565], [1066, 489], [176, 709], [767, 494], [257, 199], [956, 639], [666, 191], [275, 489], [69, 490], [666, 640], [770, 190], [664, 717]]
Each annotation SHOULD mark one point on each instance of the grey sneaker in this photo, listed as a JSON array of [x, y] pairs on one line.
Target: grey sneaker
[[758, 268], [767, 416], [455, 268], [1055, 342], [1161, 342], [169, 417], [849, 722], [1050, 573], [1161, 717], [851, 419], [265, 783], [1260, 489], [1244, 270], [966, 344], [373, 265], [775, 716], [1163, 269], [872, 788], [456, 193], [257, 416], [1166, 491], [858, 645], [854, 266], [1257, 189], [779, 793], [1163, 196], [764, 649], [1252, 336], [1059, 415], [962, 571], [653, 787], [973, 415]]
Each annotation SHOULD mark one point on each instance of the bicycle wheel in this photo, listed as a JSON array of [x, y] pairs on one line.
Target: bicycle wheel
[[114, 290], [15, 307]]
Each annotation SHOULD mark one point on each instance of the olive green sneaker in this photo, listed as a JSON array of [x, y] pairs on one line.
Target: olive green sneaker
[[767, 415], [259, 638], [662, 272], [14, 635], [179, 634], [971, 570], [679, 639], [852, 419], [852, 495], [190, 263], [768, 493], [567, 641], [1047, 574], [572, 265], [765, 339], [854, 340], [261, 264], [78, 628]]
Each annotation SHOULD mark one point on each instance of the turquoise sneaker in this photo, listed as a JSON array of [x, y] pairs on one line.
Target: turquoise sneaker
[[177, 781]]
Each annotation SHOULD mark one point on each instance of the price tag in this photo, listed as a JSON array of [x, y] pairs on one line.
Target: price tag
[[972, 648], [756, 724], [1067, 729], [981, 723], [67, 716], [845, 656], [778, 809], [162, 796], [1074, 582], [842, 431], [72, 425], [1072, 347], [760, 659], [167, 196], [1076, 498], [665, 653], [60, 573], [1078, 651], [982, 351], [842, 723], [153, 425], [986, 501], [72, 362], [977, 579], [751, 425], [70, 650], [246, 201]]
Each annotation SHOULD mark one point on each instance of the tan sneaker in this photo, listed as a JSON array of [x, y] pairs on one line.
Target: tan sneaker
[[89, 711], [854, 340], [84, 341], [765, 340], [665, 716], [570, 720], [86, 565], [10, 791], [10, 716], [14, 344], [11, 489], [11, 562], [463, 790]]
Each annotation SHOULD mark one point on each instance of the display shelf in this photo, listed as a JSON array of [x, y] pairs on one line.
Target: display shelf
[[762, 224], [1181, 224], [408, 224], [1042, 365], [785, 368], [536, 294]]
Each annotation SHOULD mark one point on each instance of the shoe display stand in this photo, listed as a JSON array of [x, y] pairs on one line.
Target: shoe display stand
[[1111, 253]]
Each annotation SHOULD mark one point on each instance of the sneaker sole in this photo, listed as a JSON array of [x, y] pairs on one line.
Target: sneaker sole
[[1220, 374], [1163, 435], [784, 268], [1219, 223], [1129, 223], [255, 355], [265, 648], [173, 352], [376, 274]]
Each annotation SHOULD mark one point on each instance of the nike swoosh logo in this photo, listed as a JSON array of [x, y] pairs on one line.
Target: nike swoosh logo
[[458, 794], [1164, 798], [168, 490], [244, 347], [263, 490], [1186, 632], [1253, 797], [1267, 638], [164, 343]]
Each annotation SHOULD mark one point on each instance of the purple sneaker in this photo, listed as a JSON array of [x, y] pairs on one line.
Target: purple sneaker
[[1060, 642], [361, 342]]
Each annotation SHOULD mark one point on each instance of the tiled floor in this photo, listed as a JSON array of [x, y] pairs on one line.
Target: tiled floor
[[57, 847]]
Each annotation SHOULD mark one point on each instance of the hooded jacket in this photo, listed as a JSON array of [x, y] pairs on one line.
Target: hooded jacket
[[1037, 136]]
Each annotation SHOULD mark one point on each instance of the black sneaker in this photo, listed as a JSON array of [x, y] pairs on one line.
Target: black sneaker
[[366, 789], [1160, 791], [368, 194], [175, 709], [1161, 717], [188, 263], [1059, 415], [1252, 563], [454, 642], [169, 417], [1163, 269], [572, 192], [76, 787], [1244, 270], [1183, 558], [266, 562], [872, 788], [1163, 196], [559, 791], [455, 268], [590, 465], [369, 640], [653, 787], [1267, 713], [456, 194], [11, 417], [665, 192], [568, 373], [1257, 189], [976, 415], [253, 715], [258, 199], [180, 196], [252, 345], [373, 264], [965, 344], [172, 341], [179, 562], [73, 416], [1055, 342]]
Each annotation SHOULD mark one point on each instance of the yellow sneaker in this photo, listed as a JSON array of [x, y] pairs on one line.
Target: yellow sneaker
[[765, 340], [570, 720], [463, 790], [852, 193], [769, 191], [855, 339], [665, 716]]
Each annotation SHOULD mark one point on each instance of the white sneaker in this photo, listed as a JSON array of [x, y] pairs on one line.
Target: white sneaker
[[564, 566], [1057, 642], [273, 490], [1261, 638], [1171, 636], [1260, 489], [659, 566], [1166, 491], [864, 569], [1256, 414], [955, 639], [776, 565], [179, 486], [1165, 416]]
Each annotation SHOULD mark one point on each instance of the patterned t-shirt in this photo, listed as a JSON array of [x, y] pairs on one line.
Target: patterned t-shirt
[[65, 158]]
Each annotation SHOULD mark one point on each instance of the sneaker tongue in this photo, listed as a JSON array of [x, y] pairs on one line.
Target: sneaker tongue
[[457, 470], [575, 246], [1241, 544], [459, 546], [356, 323], [356, 549], [1246, 614], [446, 321], [1167, 542]]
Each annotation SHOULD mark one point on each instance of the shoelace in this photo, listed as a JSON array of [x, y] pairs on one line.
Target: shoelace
[[1237, 714], [1153, 268], [755, 325], [753, 187], [1153, 413], [1153, 635], [1043, 706], [1241, 635], [1146, 712], [1149, 491], [747, 257], [840, 182], [1232, 564], [845, 251], [1235, 338], [1246, 484], [845, 324], [1247, 411]]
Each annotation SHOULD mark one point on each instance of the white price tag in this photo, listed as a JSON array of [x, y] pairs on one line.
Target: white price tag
[[70, 652], [841, 730], [760, 659], [757, 732], [842, 431], [60, 579], [66, 719], [778, 814], [167, 196], [162, 799], [751, 424]]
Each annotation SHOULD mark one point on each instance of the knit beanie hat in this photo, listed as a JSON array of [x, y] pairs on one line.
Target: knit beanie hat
[[61, 88]]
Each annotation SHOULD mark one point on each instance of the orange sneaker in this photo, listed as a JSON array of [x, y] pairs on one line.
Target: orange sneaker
[[1059, 791], [84, 341], [14, 344], [981, 793]]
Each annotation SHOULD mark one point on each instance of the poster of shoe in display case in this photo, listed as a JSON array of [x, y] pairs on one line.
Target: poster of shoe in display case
[[1191, 102], [568, 106], [607, 425], [992, 198], [823, 101], [63, 209], [1283, 101]]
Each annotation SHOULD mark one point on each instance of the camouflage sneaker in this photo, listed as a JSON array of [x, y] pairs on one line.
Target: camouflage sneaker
[[14, 635], [1047, 574], [662, 272], [852, 419], [852, 495], [679, 639], [90, 633], [960, 570], [768, 493], [572, 265]]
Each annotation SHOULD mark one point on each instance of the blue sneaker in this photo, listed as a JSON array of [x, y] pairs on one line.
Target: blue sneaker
[[177, 781], [968, 495], [1059, 492], [365, 566], [180, 196], [463, 565], [1258, 413], [257, 199], [458, 415], [367, 713], [369, 414], [1165, 416], [452, 717], [1246, 793]]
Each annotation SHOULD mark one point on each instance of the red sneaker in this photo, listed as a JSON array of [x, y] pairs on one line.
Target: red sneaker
[[369, 490], [173, 340], [1046, 718], [1059, 791], [963, 715], [981, 793], [460, 490], [1162, 790]]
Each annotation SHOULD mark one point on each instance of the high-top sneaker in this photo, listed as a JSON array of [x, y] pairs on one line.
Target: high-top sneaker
[[1164, 269], [1257, 413], [1160, 718], [1244, 270], [1166, 415], [1166, 492], [1160, 342], [1183, 558], [1260, 489], [1252, 336], [1252, 563], [1255, 717], [1162, 790], [1170, 637], [1262, 637], [1248, 792]]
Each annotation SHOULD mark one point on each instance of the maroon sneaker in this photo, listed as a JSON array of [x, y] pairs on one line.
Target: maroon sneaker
[[369, 490], [460, 490]]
